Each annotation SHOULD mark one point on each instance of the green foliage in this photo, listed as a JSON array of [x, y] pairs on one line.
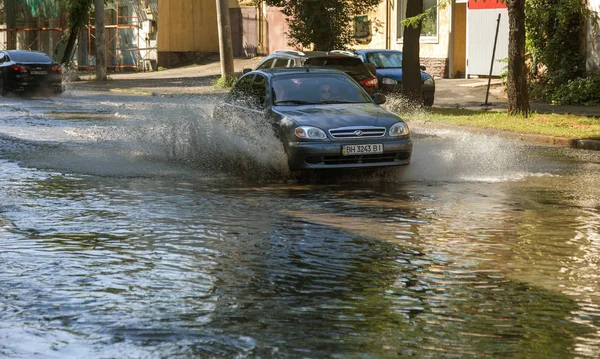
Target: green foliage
[[45, 8], [78, 12], [224, 82], [326, 24], [554, 30], [578, 91]]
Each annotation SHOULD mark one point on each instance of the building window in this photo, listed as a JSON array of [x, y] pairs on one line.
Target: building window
[[429, 29]]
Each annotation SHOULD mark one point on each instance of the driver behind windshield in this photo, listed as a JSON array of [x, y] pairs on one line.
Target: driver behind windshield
[[316, 90]]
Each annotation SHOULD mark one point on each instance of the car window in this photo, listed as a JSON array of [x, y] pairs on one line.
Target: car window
[[2, 58], [280, 62], [353, 66], [316, 88], [259, 92], [385, 59], [267, 64], [241, 89], [31, 57]]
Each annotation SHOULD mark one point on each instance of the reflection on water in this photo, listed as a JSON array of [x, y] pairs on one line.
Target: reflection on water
[[107, 251]]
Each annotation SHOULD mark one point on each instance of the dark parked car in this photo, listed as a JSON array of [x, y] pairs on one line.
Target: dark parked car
[[388, 67], [322, 116], [24, 71], [340, 60]]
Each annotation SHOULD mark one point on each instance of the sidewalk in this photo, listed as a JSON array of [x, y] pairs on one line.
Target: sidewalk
[[196, 79], [471, 94]]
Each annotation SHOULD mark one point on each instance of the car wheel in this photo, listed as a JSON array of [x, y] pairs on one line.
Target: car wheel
[[428, 102], [3, 91]]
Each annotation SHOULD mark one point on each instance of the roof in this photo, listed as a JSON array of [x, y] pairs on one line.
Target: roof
[[369, 51], [297, 70], [301, 54]]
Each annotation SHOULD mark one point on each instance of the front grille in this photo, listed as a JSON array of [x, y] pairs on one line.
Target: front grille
[[357, 132], [381, 158]]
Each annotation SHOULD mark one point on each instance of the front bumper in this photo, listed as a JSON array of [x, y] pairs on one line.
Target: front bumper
[[328, 154]]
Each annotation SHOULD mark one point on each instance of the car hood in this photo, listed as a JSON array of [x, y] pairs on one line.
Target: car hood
[[396, 74], [339, 115]]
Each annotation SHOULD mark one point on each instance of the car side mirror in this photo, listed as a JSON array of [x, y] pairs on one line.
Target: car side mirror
[[379, 98], [422, 67], [245, 71]]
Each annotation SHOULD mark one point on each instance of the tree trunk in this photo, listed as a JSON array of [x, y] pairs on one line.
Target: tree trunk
[[10, 8], [66, 60], [518, 94], [411, 62], [100, 40], [225, 45]]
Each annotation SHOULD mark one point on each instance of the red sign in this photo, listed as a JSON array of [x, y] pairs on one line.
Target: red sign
[[486, 4]]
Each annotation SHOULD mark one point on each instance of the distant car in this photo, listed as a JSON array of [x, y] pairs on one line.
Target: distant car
[[388, 67], [340, 60], [323, 118], [25, 71]]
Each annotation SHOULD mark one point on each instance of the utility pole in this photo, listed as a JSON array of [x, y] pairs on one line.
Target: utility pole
[[100, 40], [225, 46], [10, 8]]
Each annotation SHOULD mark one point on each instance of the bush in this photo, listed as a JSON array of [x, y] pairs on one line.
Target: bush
[[578, 91]]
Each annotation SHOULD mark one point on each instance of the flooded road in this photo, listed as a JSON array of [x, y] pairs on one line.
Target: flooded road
[[135, 227]]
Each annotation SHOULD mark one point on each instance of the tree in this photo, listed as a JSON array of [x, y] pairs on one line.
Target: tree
[[78, 16], [411, 62], [100, 40], [517, 84], [326, 24]]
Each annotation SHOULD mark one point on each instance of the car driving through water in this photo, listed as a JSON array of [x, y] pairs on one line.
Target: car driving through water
[[24, 71], [323, 118]]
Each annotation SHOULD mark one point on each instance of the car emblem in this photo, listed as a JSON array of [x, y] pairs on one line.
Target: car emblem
[[358, 133]]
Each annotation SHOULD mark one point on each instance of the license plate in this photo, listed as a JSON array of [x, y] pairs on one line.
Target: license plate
[[357, 150], [39, 72]]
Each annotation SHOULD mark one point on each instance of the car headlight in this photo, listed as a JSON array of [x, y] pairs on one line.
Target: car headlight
[[309, 132], [399, 129], [428, 81], [388, 81]]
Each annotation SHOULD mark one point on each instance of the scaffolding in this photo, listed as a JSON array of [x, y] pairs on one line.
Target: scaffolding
[[20, 29], [130, 31]]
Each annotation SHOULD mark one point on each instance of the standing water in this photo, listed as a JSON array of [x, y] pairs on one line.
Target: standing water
[[137, 227]]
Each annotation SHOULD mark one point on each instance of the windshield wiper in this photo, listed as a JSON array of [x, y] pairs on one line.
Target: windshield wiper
[[338, 101], [294, 102]]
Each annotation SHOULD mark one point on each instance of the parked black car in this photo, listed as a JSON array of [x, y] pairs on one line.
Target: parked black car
[[340, 60], [388, 67], [323, 118], [25, 71]]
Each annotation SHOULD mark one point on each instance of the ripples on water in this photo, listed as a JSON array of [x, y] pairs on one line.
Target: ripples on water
[[123, 235]]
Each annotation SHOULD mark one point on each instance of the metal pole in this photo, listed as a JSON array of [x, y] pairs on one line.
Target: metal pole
[[487, 94]]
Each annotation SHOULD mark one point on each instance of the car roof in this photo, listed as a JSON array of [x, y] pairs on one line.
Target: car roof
[[23, 52], [307, 54], [370, 51], [278, 71]]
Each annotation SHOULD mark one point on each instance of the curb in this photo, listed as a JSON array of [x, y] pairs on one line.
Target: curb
[[584, 144]]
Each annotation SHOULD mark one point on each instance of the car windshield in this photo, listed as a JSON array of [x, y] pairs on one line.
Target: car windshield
[[383, 60], [312, 89], [36, 57]]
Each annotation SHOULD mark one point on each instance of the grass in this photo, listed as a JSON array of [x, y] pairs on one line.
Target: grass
[[224, 83], [559, 125]]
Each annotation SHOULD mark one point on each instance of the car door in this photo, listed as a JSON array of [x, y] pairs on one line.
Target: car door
[[245, 103]]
